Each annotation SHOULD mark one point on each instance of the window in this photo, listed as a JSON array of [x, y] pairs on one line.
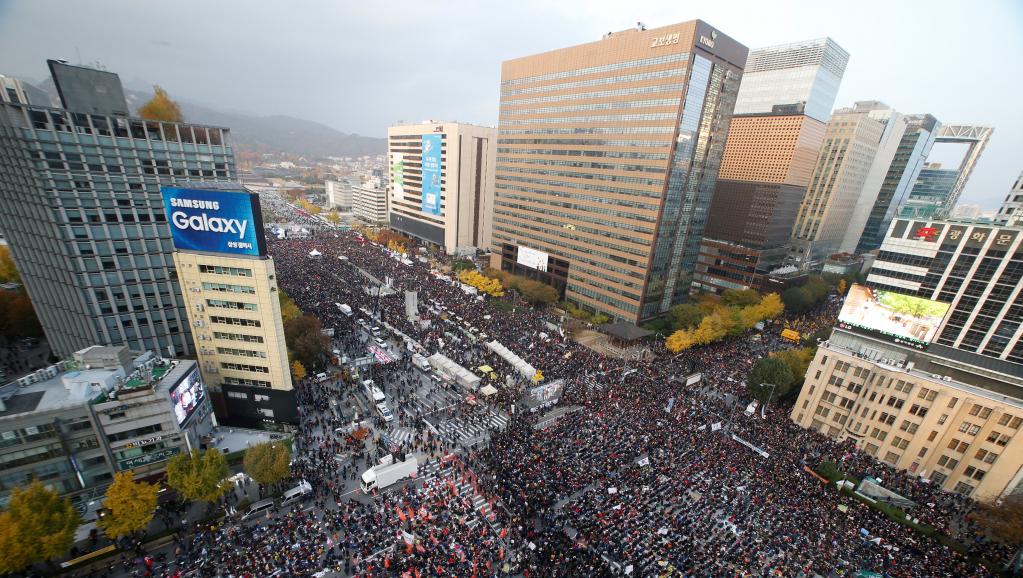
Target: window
[[932, 435], [952, 402], [918, 410], [938, 478], [941, 420], [237, 395], [965, 426], [261, 397], [1015, 423], [922, 453], [963, 488], [265, 412], [891, 458]]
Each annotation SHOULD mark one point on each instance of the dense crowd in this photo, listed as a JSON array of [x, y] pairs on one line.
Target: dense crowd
[[647, 476]]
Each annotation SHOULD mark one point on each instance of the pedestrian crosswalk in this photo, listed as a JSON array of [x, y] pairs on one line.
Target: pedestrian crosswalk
[[469, 432], [484, 512], [402, 436]]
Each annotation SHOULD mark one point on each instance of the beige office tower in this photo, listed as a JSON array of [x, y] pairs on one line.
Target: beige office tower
[[859, 145], [229, 286], [607, 157], [443, 196]]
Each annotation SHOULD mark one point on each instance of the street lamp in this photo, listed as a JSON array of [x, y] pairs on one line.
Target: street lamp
[[763, 408]]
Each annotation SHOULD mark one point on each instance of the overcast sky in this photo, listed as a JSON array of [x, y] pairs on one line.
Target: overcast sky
[[360, 66]]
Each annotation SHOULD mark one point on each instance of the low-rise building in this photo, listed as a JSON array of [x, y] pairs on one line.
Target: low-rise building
[[369, 202], [74, 424]]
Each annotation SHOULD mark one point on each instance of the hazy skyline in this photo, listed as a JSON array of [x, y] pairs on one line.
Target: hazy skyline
[[361, 67]]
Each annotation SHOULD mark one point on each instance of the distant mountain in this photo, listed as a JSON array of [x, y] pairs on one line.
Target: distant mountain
[[276, 133]]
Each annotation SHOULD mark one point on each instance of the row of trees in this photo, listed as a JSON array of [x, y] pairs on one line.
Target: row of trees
[[784, 370], [536, 293], [708, 321], [39, 525], [303, 336], [488, 285], [806, 298]]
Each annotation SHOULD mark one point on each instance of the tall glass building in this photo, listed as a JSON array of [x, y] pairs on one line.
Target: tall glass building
[[930, 192], [607, 157], [80, 205]]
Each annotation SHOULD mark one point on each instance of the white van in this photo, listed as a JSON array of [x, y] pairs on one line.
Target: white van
[[321, 377], [385, 412], [295, 494], [259, 508]]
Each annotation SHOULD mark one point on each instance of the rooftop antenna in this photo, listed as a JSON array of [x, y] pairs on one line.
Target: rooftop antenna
[[640, 26]]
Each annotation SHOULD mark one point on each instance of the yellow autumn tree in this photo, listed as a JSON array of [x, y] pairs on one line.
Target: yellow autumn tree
[[8, 272], [268, 462], [38, 525], [771, 306], [298, 372], [131, 504], [161, 107], [488, 285], [679, 341]]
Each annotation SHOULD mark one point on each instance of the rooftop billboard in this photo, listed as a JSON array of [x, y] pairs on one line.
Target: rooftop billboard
[[216, 221], [431, 174], [187, 396], [907, 319]]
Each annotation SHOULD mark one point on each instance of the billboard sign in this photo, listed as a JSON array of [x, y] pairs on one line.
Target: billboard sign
[[544, 395], [145, 459], [431, 174], [187, 396], [909, 320], [215, 221], [532, 258], [397, 176]]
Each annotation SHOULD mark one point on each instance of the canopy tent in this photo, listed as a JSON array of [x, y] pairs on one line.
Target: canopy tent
[[314, 254], [524, 369], [461, 375], [488, 390], [485, 369]]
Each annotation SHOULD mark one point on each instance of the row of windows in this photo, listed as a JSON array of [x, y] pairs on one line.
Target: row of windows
[[583, 165], [533, 216], [574, 185], [615, 130], [244, 367], [580, 153], [220, 270], [546, 195], [594, 142], [225, 287], [584, 246], [583, 175], [651, 116], [660, 59], [241, 352], [597, 81], [655, 88], [234, 321], [220, 303], [238, 337], [247, 382], [613, 105]]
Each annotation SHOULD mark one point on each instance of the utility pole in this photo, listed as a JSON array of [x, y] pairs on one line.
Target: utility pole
[[763, 408]]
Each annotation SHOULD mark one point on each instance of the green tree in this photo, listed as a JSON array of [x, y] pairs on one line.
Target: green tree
[[131, 504], [161, 107], [536, 293], [38, 525], [817, 288], [199, 477], [18, 316], [462, 265], [766, 371], [268, 462], [305, 340], [685, 316], [797, 300], [1003, 519], [798, 360], [600, 318], [8, 272], [740, 297]]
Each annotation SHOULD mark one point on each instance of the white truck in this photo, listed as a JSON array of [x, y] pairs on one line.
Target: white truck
[[345, 308], [384, 476], [421, 362]]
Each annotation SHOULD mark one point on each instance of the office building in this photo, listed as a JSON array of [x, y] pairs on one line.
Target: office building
[[441, 187], [1011, 211], [915, 146], [976, 269], [928, 200], [806, 73], [930, 192], [369, 202], [85, 221], [74, 424], [229, 288], [15, 91], [944, 420], [339, 194], [769, 157], [608, 153], [858, 148]]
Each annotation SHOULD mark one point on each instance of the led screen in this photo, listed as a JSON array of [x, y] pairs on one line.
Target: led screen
[[904, 317], [187, 396]]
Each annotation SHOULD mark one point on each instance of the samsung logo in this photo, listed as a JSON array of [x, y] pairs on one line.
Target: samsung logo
[[195, 204]]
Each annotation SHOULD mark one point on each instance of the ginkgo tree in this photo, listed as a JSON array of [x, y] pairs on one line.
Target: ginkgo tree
[[268, 462], [161, 107], [37, 525], [199, 477], [131, 506]]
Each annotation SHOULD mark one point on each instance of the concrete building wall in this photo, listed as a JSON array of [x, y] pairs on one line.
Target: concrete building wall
[[772, 149]]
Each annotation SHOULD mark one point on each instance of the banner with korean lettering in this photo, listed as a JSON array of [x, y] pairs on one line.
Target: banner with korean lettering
[[431, 173]]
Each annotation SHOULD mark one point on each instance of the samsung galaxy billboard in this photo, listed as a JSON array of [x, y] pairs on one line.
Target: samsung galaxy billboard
[[431, 174], [216, 221]]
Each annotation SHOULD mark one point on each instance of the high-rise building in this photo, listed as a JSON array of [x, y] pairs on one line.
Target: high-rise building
[[15, 91], [805, 73], [976, 139], [768, 160], [607, 157], [921, 131], [1011, 212], [858, 148], [83, 214], [946, 421], [931, 189], [369, 202], [441, 187], [977, 269], [339, 194], [229, 287]]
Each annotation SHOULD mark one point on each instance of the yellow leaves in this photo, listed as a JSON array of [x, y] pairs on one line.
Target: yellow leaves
[[161, 107], [488, 285], [309, 207], [538, 376], [722, 321], [397, 247], [298, 371], [131, 506], [199, 477], [38, 525], [268, 462], [8, 272]]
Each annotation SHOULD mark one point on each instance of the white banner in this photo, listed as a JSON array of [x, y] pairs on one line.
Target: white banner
[[532, 258]]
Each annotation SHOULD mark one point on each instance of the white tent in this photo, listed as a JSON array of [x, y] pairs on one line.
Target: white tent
[[461, 375], [488, 390], [524, 369], [314, 254]]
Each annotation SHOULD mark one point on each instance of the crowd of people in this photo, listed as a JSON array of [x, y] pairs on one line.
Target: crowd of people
[[646, 476]]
